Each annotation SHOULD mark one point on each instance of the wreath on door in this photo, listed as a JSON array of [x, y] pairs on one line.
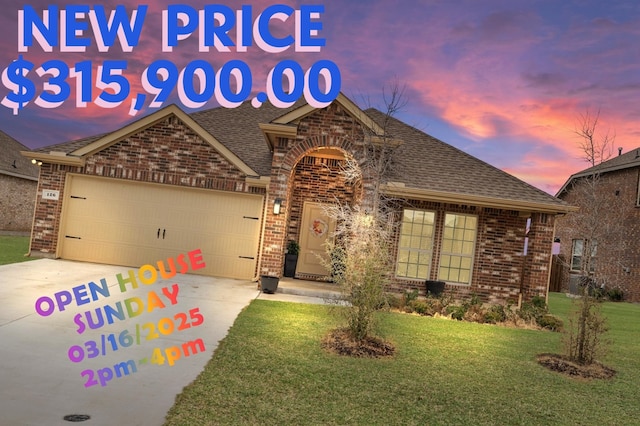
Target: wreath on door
[[319, 228]]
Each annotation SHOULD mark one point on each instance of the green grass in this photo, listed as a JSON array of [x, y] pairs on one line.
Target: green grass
[[13, 249], [270, 370]]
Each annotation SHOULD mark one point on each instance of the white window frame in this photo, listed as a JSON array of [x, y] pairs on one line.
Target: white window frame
[[415, 249], [457, 252]]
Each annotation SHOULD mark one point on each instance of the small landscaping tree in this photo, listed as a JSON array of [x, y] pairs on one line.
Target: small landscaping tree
[[360, 264], [359, 256], [584, 337], [598, 223]]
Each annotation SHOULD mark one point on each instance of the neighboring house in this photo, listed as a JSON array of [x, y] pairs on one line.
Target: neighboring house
[[240, 183], [18, 184], [615, 233]]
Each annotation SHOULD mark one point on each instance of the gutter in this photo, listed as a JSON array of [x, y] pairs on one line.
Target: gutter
[[399, 189], [54, 157], [18, 175]]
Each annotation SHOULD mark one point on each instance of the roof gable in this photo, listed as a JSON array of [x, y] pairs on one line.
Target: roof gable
[[286, 124], [294, 116], [76, 152], [154, 118], [627, 160], [12, 163]]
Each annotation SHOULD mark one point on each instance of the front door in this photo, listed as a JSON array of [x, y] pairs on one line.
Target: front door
[[316, 229]]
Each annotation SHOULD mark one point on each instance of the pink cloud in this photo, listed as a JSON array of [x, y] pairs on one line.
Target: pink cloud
[[503, 77]]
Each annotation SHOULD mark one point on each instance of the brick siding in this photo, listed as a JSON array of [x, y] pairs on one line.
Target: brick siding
[[17, 196], [618, 255], [500, 269]]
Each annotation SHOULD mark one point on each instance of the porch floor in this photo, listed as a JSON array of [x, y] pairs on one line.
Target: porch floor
[[294, 290], [308, 288]]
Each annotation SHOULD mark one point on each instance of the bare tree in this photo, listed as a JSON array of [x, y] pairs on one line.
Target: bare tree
[[600, 222], [597, 226], [380, 151], [597, 148]]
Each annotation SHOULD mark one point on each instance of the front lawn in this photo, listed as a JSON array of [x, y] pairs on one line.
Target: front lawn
[[13, 249], [271, 370]]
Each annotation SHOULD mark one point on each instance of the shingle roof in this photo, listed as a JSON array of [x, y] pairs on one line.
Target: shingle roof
[[430, 164], [624, 161], [238, 130], [426, 162], [12, 162], [69, 147]]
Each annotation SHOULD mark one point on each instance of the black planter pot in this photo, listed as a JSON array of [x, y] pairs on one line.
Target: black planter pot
[[290, 262], [435, 288], [269, 284]]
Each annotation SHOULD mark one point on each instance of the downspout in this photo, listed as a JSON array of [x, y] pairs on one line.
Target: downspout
[[550, 265], [524, 263], [525, 253]]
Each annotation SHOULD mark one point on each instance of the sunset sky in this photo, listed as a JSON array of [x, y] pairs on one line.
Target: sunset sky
[[503, 80]]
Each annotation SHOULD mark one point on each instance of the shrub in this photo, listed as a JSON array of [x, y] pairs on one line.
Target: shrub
[[293, 247], [474, 313], [536, 311], [533, 310], [539, 302], [395, 301], [615, 295], [551, 322], [472, 310], [422, 307], [495, 314], [359, 260], [456, 311], [410, 296]]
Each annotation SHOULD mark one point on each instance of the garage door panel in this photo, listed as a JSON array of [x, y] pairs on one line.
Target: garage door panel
[[130, 224], [106, 232]]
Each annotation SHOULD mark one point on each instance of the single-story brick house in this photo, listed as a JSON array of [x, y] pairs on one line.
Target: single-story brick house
[[18, 184], [240, 183]]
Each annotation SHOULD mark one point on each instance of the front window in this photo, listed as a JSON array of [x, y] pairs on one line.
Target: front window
[[416, 244], [458, 243]]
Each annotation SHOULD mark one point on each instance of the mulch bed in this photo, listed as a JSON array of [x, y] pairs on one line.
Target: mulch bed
[[565, 366], [339, 341]]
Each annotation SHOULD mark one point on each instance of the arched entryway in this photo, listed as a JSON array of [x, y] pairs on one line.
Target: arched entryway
[[317, 180], [307, 176]]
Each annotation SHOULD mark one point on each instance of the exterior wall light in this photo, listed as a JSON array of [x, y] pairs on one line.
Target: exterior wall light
[[277, 204], [34, 161]]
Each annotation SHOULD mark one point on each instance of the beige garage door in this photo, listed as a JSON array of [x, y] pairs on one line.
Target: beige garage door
[[131, 224]]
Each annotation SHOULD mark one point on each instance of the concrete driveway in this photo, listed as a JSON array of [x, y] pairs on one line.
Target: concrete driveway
[[48, 370]]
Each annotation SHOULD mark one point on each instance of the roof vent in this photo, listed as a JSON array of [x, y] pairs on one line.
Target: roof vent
[[619, 150]]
